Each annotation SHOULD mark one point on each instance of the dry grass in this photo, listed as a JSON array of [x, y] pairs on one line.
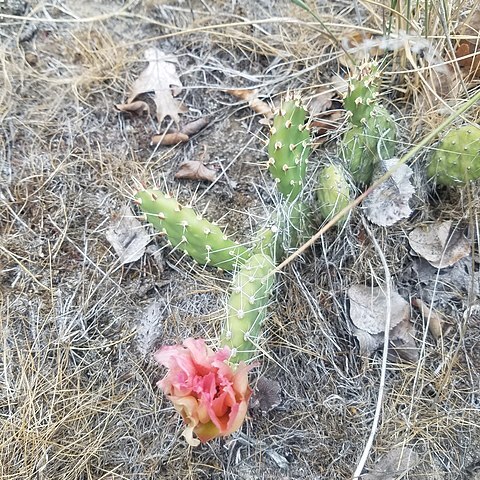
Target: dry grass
[[77, 384]]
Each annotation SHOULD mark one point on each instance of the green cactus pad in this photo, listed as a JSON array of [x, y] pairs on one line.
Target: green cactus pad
[[360, 99], [364, 146], [288, 149], [247, 306], [188, 232], [333, 191], [456, 160]]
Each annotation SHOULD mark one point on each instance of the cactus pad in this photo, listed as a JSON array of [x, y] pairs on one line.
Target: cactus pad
[[333, 191], [187, 231], [247, 306], [288, 148], [456, 160]]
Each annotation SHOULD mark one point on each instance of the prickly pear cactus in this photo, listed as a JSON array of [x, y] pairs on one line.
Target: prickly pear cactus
[[247, 306], [187, 231], [288, 148], [333, 191], [362, 91], [364, 146], [372, 133], [456, 160]]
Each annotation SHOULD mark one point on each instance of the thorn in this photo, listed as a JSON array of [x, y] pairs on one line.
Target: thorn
[[154, 196], [137, 201], [278, 145], [292, 147], [288, 124], [285, 167], [161, 216], [207, 231]]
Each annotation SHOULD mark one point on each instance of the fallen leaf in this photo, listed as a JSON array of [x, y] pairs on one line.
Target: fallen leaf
[[138, 106], [160, 77], [169, 138], [194, 127], [389, 202], [195, 170], [369, 304], [393, 465], [367, 313], [437, 244], [266, 395], [251, 96], [127, 237], [468, 49], [436, 322]]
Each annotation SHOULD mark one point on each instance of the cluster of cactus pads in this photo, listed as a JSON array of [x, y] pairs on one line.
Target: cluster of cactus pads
[[369, 139], [253, 267], [456, 159]]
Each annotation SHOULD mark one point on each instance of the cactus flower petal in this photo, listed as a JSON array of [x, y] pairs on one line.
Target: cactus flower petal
[[210, 395]]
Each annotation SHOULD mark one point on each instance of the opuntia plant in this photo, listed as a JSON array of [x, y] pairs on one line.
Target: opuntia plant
[[333, 191], [288, 148], [247, 306], [187, 231], [456, 159], [372, 133]]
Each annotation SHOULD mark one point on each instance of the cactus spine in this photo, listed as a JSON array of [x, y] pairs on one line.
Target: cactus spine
[[456, 160], [288, 148], [333, 191], [247, 306], [187, 231], [371, 135]]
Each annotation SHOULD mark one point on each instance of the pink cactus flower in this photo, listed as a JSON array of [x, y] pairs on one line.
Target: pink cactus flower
[[210, 395]]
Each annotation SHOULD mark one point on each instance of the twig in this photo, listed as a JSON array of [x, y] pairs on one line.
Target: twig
[[386, 339]]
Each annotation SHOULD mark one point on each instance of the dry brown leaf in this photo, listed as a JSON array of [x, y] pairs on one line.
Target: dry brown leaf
[[195, 170], [367, 313], [393, 465], [468, 49], [194, 127], [251, 96], [138, 106], [169, 138], [321, 101], [266, 395], [436, 321], [128, 237], [160, 77], [389, 202], [369, 304], [437, 244]]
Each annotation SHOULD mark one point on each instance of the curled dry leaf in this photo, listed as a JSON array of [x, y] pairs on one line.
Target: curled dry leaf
[[266, 395], [195, 170], [436, 322], [160, 77], [251, 96], [439, 244], [194, 127], [389, 202], [393, 465], [127, 237], [169, 138], [138, 107], [368, 306], [468, 49]]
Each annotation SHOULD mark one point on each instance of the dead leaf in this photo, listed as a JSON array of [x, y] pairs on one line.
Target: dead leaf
[[266, 395], [251, 96], [138, 107], [438, 244], [468, 49], [195, 170], [389, 202], [393, 465], [160, 77], [127, 237], [321, 101], [194, 127], [369, 304], [367, 313], [169, 138], [436, 321]]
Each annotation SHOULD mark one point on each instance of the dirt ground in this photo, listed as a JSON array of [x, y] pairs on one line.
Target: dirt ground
[[78, 394]]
